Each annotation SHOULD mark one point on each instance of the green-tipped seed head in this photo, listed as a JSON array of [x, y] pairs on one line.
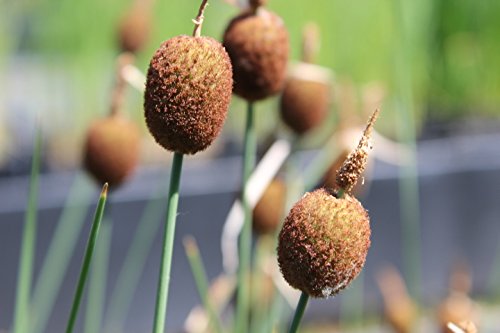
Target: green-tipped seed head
[[111, 150], [257, 44], [188, 91], [323, 243]]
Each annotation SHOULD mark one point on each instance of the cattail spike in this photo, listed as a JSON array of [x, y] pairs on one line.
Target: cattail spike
[[354, 165]]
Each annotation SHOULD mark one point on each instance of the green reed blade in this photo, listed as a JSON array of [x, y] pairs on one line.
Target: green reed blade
[[25, 270], [89, 251], [201, 280]]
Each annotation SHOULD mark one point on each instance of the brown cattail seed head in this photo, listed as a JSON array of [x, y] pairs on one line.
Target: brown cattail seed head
[[188, 91], [323, 243], [304, 104], [257, 44], [134, 29], [111, 149], [268, 212], [355, 164]]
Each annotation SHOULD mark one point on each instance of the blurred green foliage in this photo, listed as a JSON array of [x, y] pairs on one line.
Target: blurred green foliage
[[453, 50]]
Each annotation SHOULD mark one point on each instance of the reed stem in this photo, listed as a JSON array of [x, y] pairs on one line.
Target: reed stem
[[89, 251], [299, 312], [168, 245], [201, 280], [25, 270], [243, 294]]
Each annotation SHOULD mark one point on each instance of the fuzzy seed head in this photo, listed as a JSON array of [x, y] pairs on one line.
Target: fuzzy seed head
[[257, 44], [323, 243], [350, 172], [304, 104], [188, 91], [257, 3], [111, 150], [268, 212], [134, 30]]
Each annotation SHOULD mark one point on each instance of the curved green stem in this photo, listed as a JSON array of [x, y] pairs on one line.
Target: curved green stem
[[25, 271], [299, 312], [89, 251], [168, 245], [249, 152]]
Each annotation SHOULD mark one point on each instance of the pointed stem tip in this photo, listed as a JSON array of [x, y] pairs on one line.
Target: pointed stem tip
[[371, 122], [104, 192]]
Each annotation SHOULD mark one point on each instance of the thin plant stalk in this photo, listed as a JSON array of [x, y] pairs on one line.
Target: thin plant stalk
[[243, 292], [201, 280], [58, 255], [97, 282], [25, 270], [168, 245], [133, 264], [89, 251], [299, 312], [408, 174]]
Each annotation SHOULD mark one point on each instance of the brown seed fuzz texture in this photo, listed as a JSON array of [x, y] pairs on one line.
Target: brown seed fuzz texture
[[111, 150], [323, 243], [268, 212], [355, 164], [188, 91], [304, 104], [257, 44]]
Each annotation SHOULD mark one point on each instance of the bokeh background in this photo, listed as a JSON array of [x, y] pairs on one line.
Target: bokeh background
[[437, 61]]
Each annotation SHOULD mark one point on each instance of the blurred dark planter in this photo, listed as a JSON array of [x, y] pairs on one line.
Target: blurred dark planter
[[459, 181]]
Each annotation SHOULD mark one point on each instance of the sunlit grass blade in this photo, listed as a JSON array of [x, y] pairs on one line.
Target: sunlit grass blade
[[97, 282], [89, 251], [60, 250], [25, 270], [201, 280]]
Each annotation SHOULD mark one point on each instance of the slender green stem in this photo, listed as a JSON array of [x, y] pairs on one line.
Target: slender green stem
[[134, 262], [168, 245], [58, 255], [89, 251], [25, 270], [299, 312], [243, 299], [97, 282], [201, 280]]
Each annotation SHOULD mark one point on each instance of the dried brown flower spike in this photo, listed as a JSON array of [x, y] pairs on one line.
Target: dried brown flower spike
[[268, 212], [111, 149], [355, 164], [188, 91], [135, 27], [323, 243], [257, 43]]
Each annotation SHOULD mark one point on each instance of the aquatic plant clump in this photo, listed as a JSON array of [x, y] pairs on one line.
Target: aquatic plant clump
[[257, 43], [323, 243], [188, 91], [111, 150]]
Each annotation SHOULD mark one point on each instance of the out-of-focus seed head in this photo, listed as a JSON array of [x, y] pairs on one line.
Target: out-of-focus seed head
[[258, 45], [257, 3], [134, 29], [351, 170], [188, 91], [268, 212], [304, 104], [323, 243], [111, 150]]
